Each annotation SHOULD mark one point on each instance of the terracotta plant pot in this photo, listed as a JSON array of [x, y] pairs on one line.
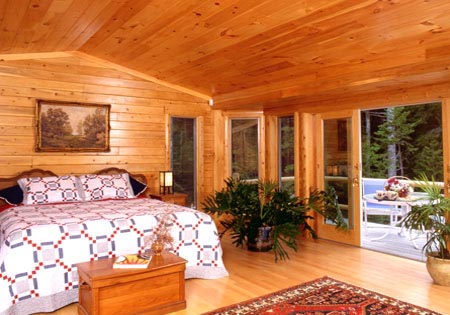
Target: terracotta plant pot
[[439, 270]]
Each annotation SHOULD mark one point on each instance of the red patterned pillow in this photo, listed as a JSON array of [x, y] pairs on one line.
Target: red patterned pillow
[[41, 190], [98, 187]]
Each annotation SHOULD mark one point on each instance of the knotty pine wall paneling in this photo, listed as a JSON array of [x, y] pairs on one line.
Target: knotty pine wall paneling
[[138, 109], [220, 159], [304, 151]]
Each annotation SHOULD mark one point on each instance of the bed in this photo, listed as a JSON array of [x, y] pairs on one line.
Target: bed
[[53, 222]]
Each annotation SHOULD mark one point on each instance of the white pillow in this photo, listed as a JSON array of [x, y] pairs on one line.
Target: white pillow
[[41, 190], [98, 187]]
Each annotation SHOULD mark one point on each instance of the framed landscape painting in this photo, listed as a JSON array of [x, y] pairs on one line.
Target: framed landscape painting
[[72, 127]]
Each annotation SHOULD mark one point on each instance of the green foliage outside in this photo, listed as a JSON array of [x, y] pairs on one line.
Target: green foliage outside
[[183, 156], [286, 139], [244, 148], [404, 141]]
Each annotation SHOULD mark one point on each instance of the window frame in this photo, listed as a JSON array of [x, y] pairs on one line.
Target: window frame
[[231, 144], [228, 115]]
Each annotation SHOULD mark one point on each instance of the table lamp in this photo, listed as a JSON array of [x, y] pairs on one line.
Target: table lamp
[[165, 182]]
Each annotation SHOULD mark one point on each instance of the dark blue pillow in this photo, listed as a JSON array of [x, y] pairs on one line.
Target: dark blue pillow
[[138, 187], [12, 195]]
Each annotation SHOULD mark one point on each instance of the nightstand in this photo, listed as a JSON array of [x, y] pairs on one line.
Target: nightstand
[[176, 198]]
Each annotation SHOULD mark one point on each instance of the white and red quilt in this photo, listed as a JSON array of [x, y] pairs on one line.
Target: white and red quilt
[[40, 245]]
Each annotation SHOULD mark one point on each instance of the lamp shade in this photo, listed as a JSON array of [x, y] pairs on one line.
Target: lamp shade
[[166, 182]]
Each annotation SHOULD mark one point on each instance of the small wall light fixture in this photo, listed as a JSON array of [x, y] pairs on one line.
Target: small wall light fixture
[[165, 182]]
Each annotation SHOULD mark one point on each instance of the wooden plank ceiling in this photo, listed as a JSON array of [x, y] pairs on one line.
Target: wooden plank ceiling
[[244, 52]]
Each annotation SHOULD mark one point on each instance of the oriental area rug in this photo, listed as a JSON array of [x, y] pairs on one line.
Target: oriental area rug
[[324, 296]]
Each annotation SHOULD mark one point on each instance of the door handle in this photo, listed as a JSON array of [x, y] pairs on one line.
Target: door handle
[[355, 181]]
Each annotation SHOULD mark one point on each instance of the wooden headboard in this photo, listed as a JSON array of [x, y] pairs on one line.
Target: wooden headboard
[[12, 181]]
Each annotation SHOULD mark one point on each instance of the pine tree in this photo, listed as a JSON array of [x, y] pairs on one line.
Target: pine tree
[[403, 141]]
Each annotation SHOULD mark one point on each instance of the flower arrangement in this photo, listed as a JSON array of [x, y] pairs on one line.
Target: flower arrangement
[[162, 232], [402, 188], [161, 237]]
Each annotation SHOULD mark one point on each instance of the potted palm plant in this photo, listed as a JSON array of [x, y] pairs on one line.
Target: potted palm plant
[[433, 218], [264, 217]]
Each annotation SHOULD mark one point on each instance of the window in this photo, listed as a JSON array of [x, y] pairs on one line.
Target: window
[[286, 153], [244, 148], [183, 157]]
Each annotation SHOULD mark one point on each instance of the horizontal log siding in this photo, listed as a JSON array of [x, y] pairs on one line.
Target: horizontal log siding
[[137, 119]]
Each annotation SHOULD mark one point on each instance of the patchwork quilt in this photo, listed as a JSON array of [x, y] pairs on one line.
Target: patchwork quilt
[[40, 245]]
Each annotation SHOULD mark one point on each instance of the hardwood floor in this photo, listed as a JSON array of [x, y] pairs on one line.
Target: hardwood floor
[[253, 274]]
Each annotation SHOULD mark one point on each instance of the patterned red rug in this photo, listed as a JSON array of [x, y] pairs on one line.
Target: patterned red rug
[[324, 296]]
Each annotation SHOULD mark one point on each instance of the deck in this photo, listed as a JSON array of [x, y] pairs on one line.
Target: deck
[[394, 243]]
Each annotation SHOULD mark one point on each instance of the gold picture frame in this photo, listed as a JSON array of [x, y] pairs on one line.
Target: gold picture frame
[[72, 127]]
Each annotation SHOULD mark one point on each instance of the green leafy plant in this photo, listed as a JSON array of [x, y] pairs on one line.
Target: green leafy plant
[[244, 207], [431, 217]]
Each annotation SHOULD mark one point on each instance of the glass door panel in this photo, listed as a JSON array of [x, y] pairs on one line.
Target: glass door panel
[[338, 163], [340, 171]]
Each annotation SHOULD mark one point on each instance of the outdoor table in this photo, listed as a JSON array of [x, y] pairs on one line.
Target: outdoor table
[[399, 208]]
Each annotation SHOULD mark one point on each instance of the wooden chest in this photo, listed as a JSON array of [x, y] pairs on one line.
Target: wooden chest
[[158, 289]]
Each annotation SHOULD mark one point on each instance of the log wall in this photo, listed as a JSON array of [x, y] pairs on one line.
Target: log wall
[[140, 111]]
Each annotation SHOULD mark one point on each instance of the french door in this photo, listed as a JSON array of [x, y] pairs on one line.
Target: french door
[[339, 167]]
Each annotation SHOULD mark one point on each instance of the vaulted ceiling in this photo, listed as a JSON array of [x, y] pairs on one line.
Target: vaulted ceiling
[[245, 52]]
